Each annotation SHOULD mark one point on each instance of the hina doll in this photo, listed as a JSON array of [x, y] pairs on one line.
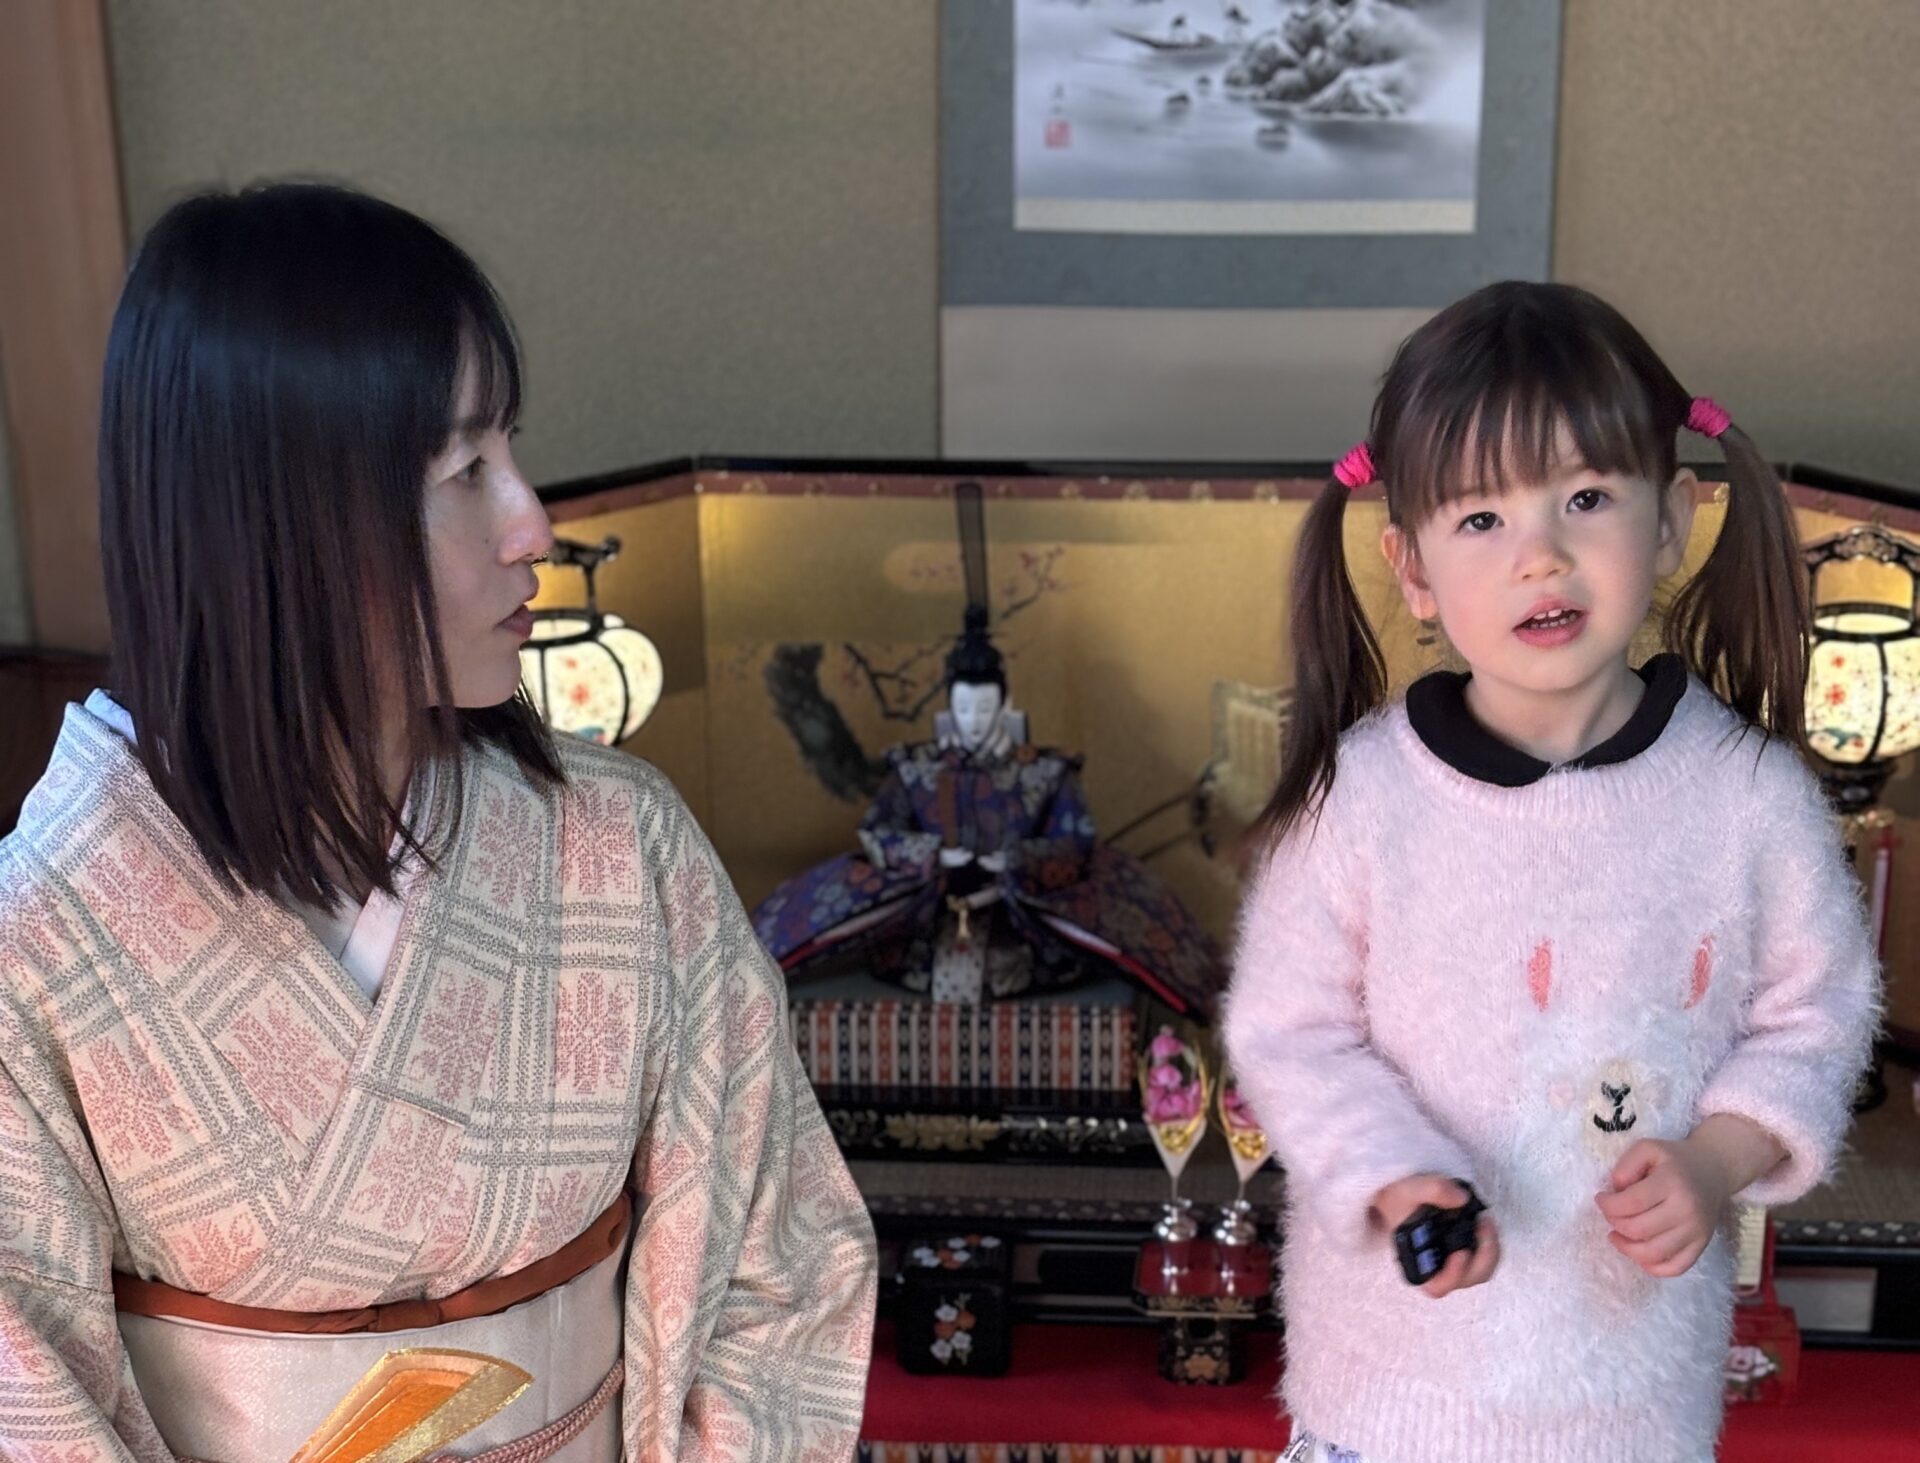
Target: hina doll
[[343, 1014], [980, 875]]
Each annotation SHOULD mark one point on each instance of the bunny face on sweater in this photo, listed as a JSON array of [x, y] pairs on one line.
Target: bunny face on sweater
[[1614, 1055], [1615, 1062]]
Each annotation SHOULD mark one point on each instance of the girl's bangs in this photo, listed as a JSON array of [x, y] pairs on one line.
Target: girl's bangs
[[1478, 437]]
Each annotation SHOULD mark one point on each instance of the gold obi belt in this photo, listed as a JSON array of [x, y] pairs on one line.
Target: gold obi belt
[[246, 1384]]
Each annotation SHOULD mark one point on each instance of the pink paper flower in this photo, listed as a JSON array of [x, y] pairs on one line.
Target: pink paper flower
[[1177, 1105], [1172, 1089]]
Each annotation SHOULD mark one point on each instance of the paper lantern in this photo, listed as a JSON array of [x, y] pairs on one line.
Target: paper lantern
[[590, 673], [1863, 670]]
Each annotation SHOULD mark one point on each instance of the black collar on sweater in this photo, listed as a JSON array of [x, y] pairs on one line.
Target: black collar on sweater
[[1437, 709]]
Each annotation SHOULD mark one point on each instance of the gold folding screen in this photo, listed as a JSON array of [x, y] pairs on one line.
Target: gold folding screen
[[803, 618]]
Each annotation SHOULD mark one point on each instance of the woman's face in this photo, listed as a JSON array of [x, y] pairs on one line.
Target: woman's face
[[484, 529]]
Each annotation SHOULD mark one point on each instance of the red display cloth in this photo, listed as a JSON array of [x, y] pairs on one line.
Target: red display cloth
[[1100, 1384]]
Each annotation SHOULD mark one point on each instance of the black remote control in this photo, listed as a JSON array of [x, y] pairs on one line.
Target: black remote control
[[1432, 1233]]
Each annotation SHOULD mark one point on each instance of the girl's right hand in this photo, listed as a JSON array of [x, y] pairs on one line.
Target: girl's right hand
[[1394, 1205]]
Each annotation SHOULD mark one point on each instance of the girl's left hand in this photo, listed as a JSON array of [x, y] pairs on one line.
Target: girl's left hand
[[1666, 1202]]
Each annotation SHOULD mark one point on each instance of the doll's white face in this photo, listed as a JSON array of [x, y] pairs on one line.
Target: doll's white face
[[976, 712]]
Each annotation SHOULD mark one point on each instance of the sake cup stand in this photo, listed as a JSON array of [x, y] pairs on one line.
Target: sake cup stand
[[1202, 1293]]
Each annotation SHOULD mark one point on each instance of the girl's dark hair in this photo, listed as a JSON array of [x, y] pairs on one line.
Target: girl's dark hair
[[1477, 397], [281, 372]]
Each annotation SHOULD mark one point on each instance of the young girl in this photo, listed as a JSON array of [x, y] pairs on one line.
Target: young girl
[[341, 1010], [1577, 933]]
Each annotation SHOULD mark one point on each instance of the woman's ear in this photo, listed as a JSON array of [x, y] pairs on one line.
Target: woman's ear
[[1402, 553], [1676, 522]]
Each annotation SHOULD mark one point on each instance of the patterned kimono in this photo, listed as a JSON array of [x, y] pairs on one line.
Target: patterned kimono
[[192, 1090], [1077, 904]]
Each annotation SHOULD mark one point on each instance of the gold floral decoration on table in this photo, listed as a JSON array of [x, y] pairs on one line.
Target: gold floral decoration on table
[[1202, 1366], [942, 1132]]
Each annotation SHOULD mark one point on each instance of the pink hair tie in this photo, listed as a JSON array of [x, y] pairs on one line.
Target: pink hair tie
[[1355, 470], [1707, 417]]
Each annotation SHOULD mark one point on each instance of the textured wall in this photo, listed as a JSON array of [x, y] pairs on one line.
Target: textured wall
[[716, 225], [1739, 177], [713, 222]]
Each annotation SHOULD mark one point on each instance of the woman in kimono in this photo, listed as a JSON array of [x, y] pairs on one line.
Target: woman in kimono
[[341, 1010]]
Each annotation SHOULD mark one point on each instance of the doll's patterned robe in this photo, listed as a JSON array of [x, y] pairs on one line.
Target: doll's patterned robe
[[1080, 906]]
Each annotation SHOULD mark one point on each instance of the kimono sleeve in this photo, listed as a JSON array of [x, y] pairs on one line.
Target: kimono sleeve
[[1056, 852], [751, 1297], [67, 1393], [891, 833]]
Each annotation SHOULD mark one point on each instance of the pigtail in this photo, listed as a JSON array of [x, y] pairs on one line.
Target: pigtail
[[1743, 622], [1339, 674]]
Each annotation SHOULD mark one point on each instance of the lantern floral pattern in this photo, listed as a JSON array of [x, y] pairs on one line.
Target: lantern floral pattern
[[602, 688]]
